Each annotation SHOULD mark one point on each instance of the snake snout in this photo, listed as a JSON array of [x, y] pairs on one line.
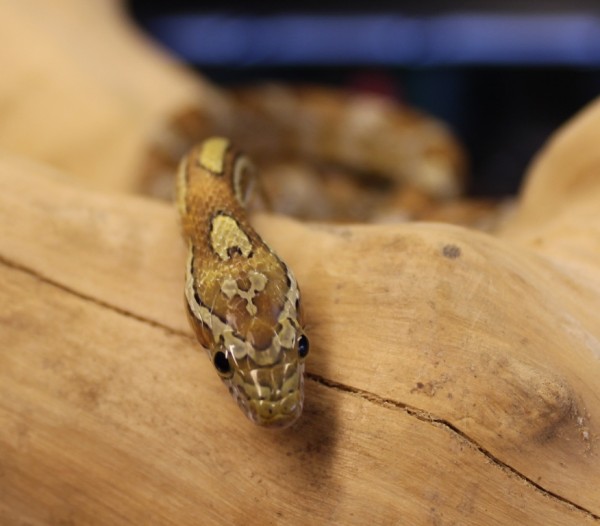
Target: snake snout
[[280, 412], [272, 397]]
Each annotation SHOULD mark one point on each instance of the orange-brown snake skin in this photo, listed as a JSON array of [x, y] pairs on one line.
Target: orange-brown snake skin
[[242, 301]]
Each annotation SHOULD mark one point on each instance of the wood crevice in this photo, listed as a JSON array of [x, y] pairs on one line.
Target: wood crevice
[[427, 417], [412, 411], [86, 297]]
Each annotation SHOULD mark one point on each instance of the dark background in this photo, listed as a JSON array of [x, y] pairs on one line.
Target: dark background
[[502, 91], [143, 7]]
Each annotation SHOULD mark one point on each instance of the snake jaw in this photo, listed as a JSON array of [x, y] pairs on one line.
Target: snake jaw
[[270, 396]]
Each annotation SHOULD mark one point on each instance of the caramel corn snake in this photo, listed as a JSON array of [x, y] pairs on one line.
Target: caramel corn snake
[[243, 302]]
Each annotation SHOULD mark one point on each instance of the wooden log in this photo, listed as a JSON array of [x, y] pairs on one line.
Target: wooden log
[[453, 376], [89, 94]]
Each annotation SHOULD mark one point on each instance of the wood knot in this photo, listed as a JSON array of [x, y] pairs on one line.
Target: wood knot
[[451, 251], [525, 403]]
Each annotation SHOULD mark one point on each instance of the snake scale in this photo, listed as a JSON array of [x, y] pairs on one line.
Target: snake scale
[[243, 302]]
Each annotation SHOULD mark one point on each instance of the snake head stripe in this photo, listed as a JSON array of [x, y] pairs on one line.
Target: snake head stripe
[[243, 302]]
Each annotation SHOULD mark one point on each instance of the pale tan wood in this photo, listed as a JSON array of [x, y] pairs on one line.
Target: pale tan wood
[[453, 375], [89, 94], [115, 421], [560, 205]]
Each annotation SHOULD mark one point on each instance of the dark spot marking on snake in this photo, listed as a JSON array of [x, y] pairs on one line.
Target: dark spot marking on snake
[[232, 251], [286, 271], [451, 251], [199, 301]]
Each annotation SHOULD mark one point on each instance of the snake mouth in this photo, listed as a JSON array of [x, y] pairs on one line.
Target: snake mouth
[[274, 412], [278, 423], [278, 413], [270, 396]]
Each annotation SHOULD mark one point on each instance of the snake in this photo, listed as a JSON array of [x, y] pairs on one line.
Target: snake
[[242, 301]]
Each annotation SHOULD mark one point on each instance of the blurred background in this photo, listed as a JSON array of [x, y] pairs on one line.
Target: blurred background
[[503, 75]]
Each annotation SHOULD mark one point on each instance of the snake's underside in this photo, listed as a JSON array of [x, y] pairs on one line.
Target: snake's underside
[[243, 302]]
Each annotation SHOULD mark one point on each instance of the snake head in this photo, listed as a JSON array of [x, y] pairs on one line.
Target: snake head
[[271, 395], [259, 355]]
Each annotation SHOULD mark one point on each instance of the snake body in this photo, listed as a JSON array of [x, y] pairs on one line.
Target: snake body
[[242, 301]]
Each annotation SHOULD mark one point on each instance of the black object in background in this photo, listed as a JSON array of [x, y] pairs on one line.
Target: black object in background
[[503, 104]]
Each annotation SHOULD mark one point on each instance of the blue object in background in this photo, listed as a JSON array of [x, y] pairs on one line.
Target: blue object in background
[[457, 39]]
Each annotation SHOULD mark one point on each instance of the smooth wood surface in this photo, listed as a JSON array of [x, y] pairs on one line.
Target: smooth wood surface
[[84, 91], [453, 377]]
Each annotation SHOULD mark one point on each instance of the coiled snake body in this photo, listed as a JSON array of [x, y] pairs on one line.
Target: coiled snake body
[[242, 301]]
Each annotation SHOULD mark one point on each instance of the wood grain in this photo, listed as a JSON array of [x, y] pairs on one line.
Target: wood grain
[[453, 376]]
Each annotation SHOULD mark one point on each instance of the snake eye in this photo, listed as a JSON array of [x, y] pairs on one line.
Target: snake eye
[[303, 346], [222, 364]]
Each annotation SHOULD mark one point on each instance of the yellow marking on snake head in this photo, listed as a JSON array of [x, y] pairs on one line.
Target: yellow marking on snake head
[[182, 186], [227, 238], [258, 281], [212, 154], [243, 179], [287, 335]]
